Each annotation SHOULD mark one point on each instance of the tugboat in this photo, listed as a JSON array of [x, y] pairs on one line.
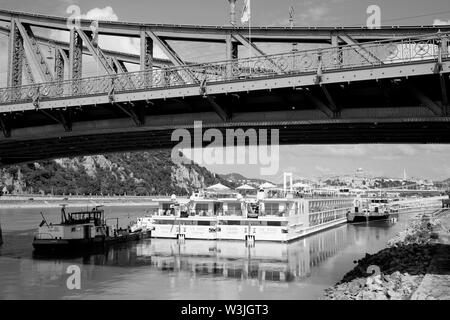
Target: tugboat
[[85, 230], [366, 210]]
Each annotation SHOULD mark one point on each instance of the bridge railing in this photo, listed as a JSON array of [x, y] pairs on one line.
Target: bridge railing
[[316, 61]]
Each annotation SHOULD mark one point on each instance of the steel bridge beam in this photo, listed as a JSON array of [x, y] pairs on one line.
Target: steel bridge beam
[[61, 60], [223, 112], [146, 55], [138, 115], [252, 47], [331, 102], [170, 53], [121, 56], [444, 90], [232, 52], [75, 55], [329, 111], [118, 66], [385, 90], [40, 69], [61, 117], [15, 56], [338, 54], [96, 52], [427, 102], [399, 131], [369, 57], [4, 127], [264, 34]]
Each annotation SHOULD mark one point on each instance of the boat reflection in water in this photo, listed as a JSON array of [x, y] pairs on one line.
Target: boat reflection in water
[[260, 263]]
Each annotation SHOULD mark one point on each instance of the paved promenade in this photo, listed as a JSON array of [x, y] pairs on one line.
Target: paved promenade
[[436, 283]]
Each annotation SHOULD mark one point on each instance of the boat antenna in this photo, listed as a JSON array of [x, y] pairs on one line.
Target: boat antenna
[[45, 220], [63, 213]]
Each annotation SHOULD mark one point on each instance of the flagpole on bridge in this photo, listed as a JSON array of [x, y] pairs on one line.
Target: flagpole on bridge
[[246, 17], [250, 36]]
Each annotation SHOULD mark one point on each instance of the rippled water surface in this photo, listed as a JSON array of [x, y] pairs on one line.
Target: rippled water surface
[[195, 269]]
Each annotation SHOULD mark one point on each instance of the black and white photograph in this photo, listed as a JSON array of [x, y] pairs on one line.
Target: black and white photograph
[[224, 155]]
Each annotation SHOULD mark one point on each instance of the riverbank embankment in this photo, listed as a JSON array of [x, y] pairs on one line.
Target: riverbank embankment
[[30, 202], [400, 270]]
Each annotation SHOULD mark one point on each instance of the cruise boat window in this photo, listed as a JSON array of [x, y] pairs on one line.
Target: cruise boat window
[[201, 209], [230, 222], [233, 209], [167, 210], [272, 209], [204, 223]]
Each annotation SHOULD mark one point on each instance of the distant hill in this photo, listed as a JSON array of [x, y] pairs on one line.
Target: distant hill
[[239, 179], [140, 173]]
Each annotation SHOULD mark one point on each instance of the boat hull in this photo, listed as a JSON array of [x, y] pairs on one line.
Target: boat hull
[[240, 233], [84, 245], [367, 218]]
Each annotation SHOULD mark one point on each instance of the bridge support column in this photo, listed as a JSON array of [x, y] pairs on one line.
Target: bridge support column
[[15, 56], [338, 56], [232, 53], [75, 58], [59, 69], [59, 65], [146, 56], [444, 47]]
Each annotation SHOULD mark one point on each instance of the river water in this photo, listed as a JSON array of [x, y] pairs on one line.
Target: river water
[[195, 269]]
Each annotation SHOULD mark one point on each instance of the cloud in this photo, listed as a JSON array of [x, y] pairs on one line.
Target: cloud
[[106, 13], [314, 14], [309, 12], [374, 151], [439, 22], [323, 170]]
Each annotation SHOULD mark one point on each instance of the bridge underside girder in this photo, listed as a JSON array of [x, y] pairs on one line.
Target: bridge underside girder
[[349, 133], [368, 112]]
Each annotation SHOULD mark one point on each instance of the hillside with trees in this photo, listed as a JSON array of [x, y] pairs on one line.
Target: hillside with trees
[[134, 173]]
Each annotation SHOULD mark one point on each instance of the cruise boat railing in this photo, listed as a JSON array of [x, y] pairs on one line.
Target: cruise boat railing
[[232, 213], [317, 218]]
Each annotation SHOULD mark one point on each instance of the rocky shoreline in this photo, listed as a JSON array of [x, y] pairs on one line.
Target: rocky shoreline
[[393, 273]]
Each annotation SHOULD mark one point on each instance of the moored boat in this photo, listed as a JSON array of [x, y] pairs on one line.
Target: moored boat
[[84, 230], [369, 209], [273, 215]]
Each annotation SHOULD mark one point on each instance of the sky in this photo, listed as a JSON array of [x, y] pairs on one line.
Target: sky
[[427, 161]]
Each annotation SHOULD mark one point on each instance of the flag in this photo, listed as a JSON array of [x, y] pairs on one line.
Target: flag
[[246, 12]]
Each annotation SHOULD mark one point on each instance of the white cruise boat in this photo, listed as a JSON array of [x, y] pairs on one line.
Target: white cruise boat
[[273, 215]]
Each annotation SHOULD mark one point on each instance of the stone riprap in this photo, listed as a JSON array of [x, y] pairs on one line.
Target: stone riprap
[[402, 265]]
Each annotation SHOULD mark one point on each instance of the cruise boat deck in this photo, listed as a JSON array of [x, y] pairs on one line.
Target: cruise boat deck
[[271, 215]]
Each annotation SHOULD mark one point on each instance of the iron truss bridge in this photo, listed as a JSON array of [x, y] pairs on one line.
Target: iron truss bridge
[[329, 85]]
